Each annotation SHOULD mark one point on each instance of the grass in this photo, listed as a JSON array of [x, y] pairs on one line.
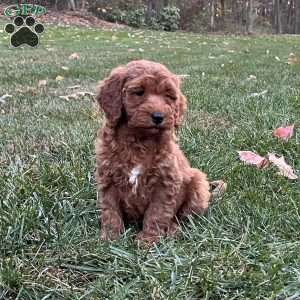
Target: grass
[[247, 247]]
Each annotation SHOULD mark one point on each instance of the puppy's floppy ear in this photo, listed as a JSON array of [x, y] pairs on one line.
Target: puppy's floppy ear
[[109, 95], [180, 110]]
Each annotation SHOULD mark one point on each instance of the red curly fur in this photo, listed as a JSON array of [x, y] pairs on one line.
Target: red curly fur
[[142, 175]]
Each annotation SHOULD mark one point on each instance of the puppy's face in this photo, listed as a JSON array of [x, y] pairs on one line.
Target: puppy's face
[[150, 101], [147, 94]]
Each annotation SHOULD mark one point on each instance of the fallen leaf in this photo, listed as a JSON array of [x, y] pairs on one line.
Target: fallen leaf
[[67, 97], [73, 87], [77, 95], [284, 133], [65, 68], [32, 90], [258, 94], [74, 56], [2, 98], [42, 83], [217, 188], [293, 59], [59, 78], [183, 75], [251, 158], [277, 58], [251, 77], [284, 169]]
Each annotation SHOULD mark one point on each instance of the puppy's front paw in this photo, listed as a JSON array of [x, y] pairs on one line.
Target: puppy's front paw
[[147, 239], [109, 234], [173, 230]]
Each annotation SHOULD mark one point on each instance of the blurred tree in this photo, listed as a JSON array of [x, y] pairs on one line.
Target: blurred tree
[[251, 15], [297, 16], [212, 15], [151, 6], [222, 2], [277, 16], [281, 16]]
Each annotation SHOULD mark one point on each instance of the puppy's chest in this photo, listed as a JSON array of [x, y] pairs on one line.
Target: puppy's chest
[[135, 169], [136, 178]]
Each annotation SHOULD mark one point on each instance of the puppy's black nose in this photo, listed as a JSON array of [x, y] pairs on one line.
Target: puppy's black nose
[[157, 117]]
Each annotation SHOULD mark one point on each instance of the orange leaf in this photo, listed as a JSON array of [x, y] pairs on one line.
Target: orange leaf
[[284, 169], [42, 82], [74, 56], [284, 133], [251, 158]]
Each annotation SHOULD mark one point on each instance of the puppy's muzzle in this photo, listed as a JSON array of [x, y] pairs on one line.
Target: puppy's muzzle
[[157, 118]]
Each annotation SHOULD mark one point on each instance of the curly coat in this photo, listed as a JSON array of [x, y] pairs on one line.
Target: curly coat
[[141, 173]]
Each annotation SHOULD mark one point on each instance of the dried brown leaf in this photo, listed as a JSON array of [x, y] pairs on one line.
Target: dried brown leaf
[[284, 169], [251, 158], [74, 56], [284, 133], [42, 82]]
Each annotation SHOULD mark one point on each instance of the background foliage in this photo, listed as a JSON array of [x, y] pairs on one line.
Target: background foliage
[[242, 16], [246, 248]]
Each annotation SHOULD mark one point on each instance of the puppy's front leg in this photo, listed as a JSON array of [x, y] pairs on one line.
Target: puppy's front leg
[[111, 218], [158, 218]]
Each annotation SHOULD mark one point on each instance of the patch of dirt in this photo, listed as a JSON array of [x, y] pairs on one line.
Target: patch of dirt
[[78, 18], [71, 18]]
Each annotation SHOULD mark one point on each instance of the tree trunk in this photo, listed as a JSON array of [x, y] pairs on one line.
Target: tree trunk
[[235, 13], [212, 15], [277, 17], [72, 5], [244, 14], [251, 16], [273, 14], [150, 9], [222, 8], [297, 17], [289, 16], [83, 4]]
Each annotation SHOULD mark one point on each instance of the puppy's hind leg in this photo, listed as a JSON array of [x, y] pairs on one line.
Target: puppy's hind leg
[[197, 195]]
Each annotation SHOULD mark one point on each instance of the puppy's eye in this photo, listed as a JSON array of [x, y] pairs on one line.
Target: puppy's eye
[[172, 97], [139, 93]]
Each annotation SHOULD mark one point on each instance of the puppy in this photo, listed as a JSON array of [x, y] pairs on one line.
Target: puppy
[[142, 175]]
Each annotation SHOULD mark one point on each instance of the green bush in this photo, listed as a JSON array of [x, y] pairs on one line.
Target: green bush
[[135, 18], [109, 14], [168, 18], [153, 23]]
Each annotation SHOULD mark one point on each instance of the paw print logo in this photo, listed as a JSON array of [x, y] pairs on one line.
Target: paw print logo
[[24, 31]]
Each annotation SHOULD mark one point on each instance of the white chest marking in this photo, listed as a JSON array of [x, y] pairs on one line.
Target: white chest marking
[[133, 177]]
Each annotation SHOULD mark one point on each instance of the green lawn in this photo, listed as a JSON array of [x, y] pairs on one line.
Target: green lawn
[[247, 247]]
